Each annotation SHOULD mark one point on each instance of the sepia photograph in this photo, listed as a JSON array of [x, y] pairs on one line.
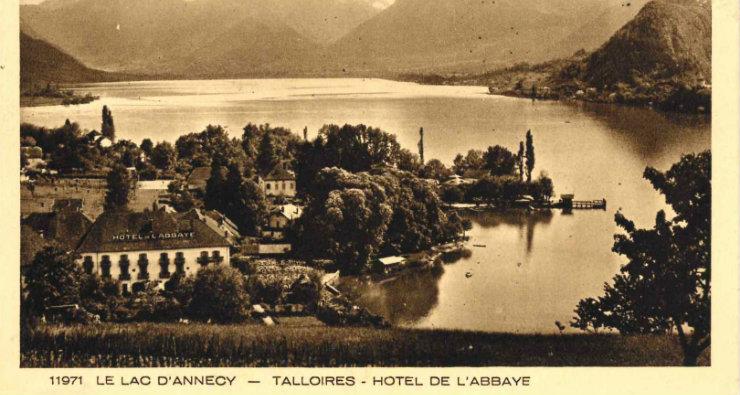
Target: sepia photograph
[[365, 183]]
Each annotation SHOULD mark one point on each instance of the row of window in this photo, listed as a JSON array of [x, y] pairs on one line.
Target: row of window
[[143, 263], [285, 185]]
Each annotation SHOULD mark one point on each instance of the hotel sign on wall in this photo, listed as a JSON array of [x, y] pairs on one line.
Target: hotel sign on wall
[[154, 236]]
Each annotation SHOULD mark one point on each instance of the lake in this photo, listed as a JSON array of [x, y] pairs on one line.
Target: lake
[[534, 268]]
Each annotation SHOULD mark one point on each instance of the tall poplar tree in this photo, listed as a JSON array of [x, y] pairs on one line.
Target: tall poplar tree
[[119, 188], [107, 128], [520, 161], [530, 155], [267, 157]]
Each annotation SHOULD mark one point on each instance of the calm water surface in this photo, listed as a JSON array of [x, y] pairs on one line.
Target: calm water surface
[[534, 267]]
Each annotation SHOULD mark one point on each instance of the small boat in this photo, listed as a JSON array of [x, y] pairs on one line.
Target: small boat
[[479, 245]]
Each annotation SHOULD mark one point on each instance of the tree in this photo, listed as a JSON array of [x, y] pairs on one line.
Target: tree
[[52, 279], [198, 149], [435, 169], [267, 157], [244, 201], [107, 128], [181, 198], [24, 160], [163, 156], [119, 188], [473, 160], [345, 220], [146, 146], [250, 140], [421, 145], [215, 199], [529, 155], [408, 161], [543, 187], [666, 283], [127, 152], [219, 294], [499, 161], [520, 161]]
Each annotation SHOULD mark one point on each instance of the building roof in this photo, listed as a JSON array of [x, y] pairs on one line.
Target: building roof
[[64, 229], [68, 204], [121, 231], [158, 185], [280, 173], [199, 177], [392, 260], [289, 211], [216, 221]]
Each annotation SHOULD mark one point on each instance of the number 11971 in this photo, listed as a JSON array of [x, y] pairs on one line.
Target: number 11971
[[66, 380]]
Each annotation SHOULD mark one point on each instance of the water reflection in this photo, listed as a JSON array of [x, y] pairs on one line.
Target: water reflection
[[524, 221], [402, 300], [411, 296]]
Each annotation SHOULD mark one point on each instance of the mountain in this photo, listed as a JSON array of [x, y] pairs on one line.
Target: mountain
[[662, 58], [475, 35], [667, 40], [172, 36], [253, 38], [41, 63]]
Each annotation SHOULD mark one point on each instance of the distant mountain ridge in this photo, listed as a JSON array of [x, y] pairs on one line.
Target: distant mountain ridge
[[41, 63], [168, 36], [474, 35], [241, 38]]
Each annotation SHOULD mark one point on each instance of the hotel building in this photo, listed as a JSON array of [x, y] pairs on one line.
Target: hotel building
[[137, 247]]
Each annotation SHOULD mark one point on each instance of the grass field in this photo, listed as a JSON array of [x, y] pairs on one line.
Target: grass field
[[203, 345]]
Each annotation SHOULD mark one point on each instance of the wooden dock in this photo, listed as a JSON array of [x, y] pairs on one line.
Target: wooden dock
[[589, 204]]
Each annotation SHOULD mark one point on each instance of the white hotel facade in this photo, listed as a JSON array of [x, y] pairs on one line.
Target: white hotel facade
[[135, 248]]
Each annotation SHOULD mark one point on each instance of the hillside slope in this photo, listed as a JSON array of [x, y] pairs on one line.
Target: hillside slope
[[475, 35], [172, 36], [662, 58], [41, 63], [327, 37], [667, 40]]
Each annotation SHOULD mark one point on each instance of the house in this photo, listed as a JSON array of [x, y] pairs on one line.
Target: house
[[279, 218], [389, 264], [455, 180], [280, 182], [137, 247], [198, 178], [62, 228]]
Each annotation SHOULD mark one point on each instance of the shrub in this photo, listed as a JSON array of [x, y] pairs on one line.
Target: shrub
[[219, 294]]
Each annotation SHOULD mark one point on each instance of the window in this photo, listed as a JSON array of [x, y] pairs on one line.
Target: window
[[179, 263], [124, 264], [105, 266], [88, 265], [203, 259], [164, 264], [143, 267], [267, 186], [217, 257]]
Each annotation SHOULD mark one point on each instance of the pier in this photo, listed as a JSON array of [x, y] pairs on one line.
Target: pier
[[568, 203]]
